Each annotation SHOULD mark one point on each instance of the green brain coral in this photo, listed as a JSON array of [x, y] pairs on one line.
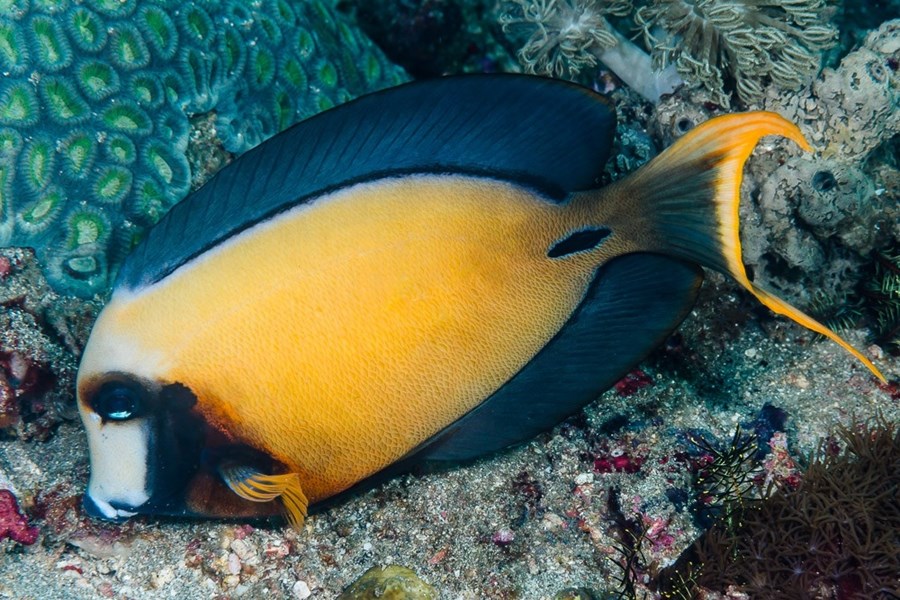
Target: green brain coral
[[95, 100]]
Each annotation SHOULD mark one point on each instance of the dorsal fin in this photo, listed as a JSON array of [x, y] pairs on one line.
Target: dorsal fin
[[547, 134]]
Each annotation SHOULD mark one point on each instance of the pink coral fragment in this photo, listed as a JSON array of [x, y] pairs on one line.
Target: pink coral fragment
[[631, 383], [5, 267], [618, 463], [503, 537], [13, 524]]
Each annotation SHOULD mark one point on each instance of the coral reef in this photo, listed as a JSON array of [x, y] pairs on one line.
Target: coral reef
[[726, 46], [739, 45], [817, 219], [834, 536], [95, 100], [561, 38], [564, 35], [857, 102], [778, 531], [43, 334]]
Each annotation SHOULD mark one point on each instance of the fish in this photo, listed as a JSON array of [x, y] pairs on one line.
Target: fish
[[424, 275]]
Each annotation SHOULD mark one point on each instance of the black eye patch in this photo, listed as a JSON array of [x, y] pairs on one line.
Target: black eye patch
[[578, 241]]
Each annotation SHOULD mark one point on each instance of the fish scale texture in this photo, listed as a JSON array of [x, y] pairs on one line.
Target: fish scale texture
[[96, 99]]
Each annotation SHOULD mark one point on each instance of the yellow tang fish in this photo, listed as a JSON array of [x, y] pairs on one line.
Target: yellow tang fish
[[428, 273]]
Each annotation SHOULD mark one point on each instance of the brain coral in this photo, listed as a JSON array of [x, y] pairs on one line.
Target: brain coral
[[95, 100]]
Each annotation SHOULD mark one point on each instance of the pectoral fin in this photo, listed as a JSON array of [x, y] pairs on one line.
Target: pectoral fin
[[250, 484]]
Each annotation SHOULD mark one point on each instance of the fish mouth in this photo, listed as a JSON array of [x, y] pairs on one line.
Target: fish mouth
[[119, 512], [108, 511]]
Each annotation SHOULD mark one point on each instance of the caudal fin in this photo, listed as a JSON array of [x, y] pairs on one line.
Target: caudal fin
[[686, 202]]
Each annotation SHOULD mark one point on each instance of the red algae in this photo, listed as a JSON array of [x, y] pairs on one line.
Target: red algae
[[13, 524], [618, 463], [631, 383]]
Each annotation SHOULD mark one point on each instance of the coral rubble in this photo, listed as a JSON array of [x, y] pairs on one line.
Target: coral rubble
[[391, 581], [95, 99], [43, 334]]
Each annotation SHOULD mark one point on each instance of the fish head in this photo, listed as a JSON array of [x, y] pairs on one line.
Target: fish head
[[152, 451], [145, 444]]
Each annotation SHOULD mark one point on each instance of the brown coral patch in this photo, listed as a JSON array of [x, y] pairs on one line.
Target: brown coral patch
[[834, 537]]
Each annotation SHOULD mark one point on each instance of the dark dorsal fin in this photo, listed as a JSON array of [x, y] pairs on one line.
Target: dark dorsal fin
[[634, 302], [547, 134]]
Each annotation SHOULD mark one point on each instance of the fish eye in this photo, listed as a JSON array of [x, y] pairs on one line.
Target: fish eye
[[117, 401]]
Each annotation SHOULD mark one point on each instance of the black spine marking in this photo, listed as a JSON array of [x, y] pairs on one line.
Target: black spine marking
[[579, 241]]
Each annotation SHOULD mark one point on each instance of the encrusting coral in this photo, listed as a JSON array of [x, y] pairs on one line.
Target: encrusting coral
[[95, 103], [13, 524], [817, 220]]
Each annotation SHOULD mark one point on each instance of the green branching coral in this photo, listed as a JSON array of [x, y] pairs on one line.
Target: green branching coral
[[838, 312], [875, 303], [726, 484], [738, 44], [95, 100]]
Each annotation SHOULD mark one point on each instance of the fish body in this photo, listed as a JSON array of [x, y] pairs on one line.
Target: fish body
[[425, 274]]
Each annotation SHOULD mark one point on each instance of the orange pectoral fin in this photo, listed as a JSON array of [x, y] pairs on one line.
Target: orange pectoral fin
[[258, 487]]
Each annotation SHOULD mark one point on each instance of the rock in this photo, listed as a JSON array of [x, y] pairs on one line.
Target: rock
[[389, 583]]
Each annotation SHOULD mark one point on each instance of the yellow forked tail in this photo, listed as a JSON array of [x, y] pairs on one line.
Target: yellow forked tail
[[688, 199]]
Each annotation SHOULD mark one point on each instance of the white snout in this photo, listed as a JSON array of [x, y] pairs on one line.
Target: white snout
[[119, 453]]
